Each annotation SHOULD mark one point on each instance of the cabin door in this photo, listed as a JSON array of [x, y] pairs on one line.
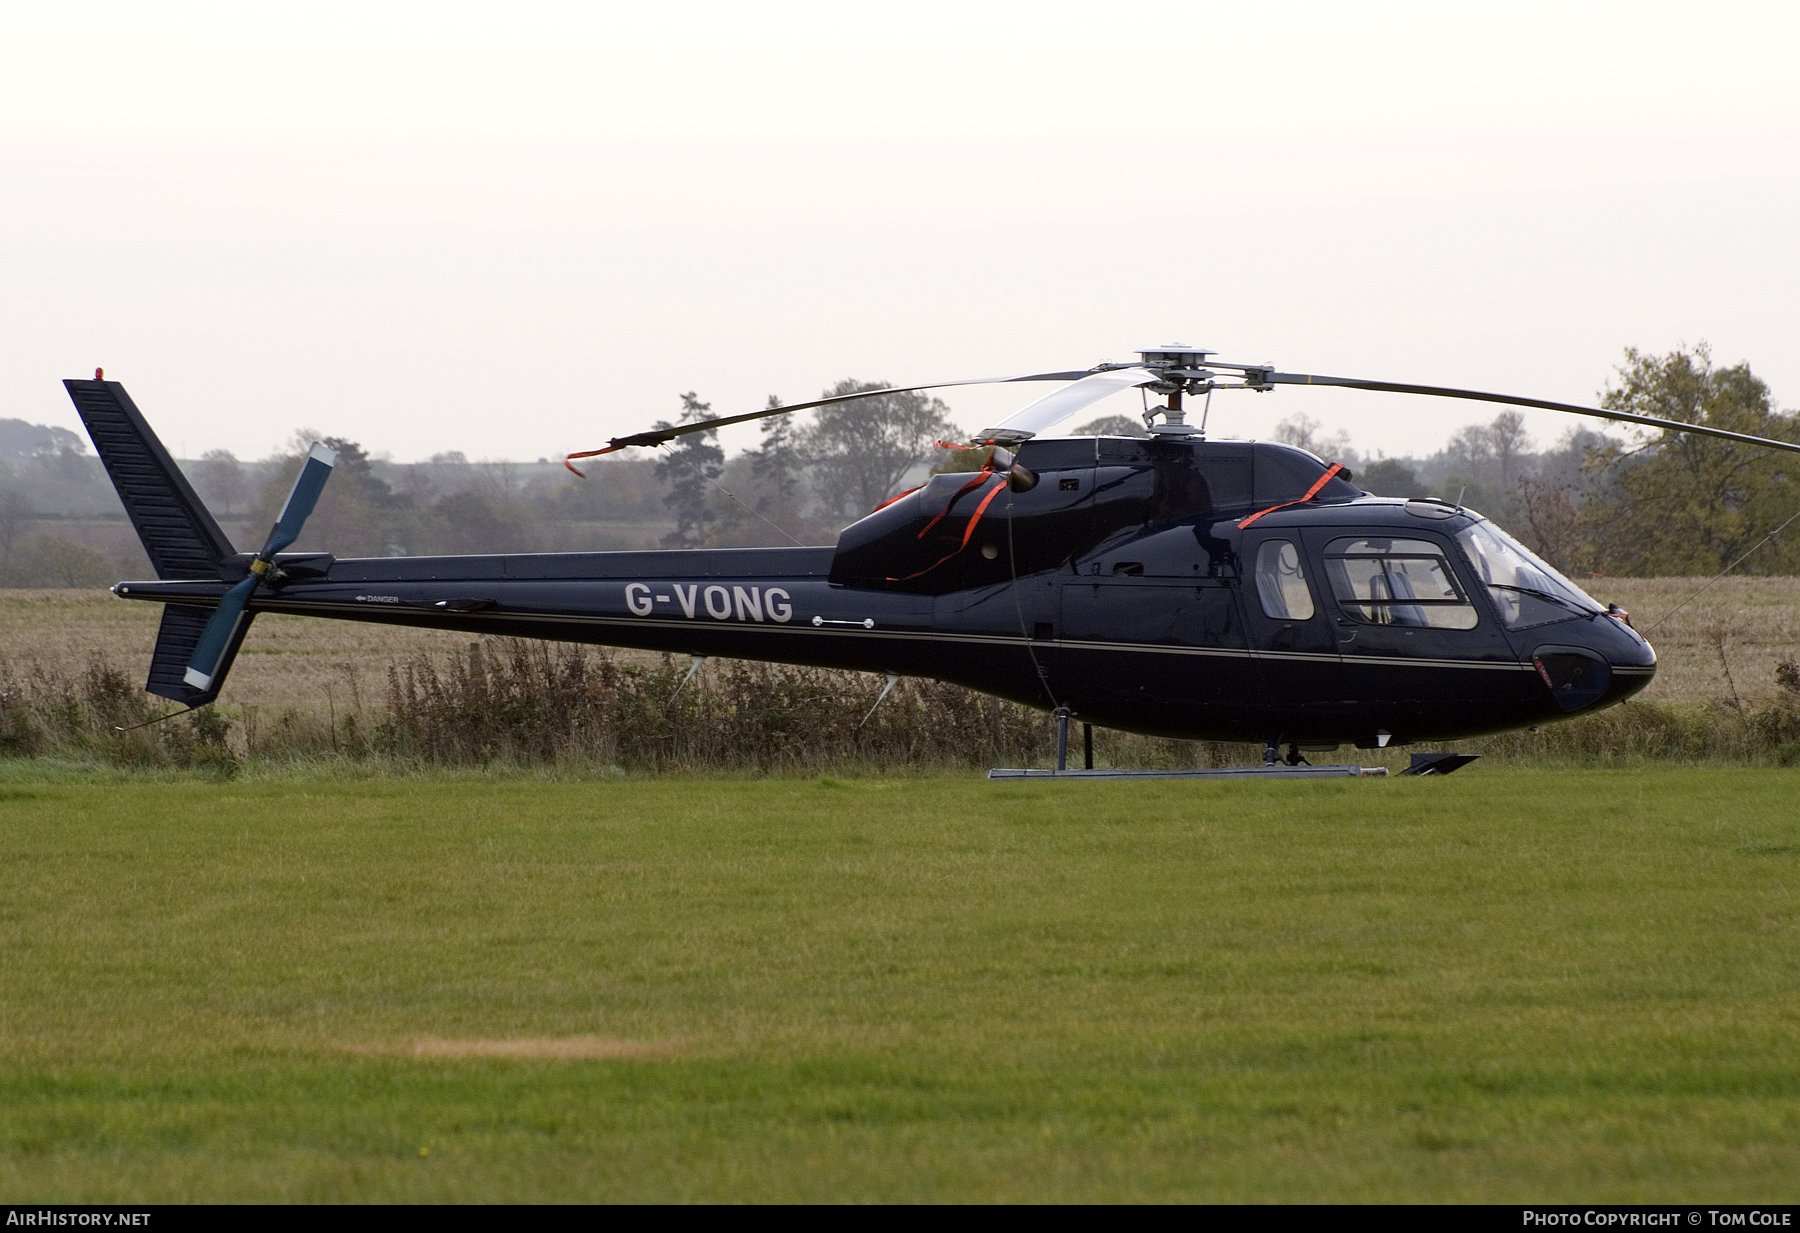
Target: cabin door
[[1288, 614], [1410, 636]]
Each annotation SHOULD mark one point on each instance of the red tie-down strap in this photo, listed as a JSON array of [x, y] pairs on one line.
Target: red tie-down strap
[[1310, 494], [981, 477], [985, 474], [570, 463]]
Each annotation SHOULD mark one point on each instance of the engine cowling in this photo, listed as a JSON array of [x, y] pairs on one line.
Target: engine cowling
[[1086, 490]]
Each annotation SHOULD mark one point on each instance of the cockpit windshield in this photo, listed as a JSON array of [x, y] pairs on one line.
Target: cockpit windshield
[[1526, 589]]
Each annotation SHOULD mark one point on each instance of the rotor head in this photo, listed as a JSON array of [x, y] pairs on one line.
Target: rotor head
[[1183, 371], [1175, 355]]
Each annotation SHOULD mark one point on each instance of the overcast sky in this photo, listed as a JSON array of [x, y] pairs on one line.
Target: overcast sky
[[518, 229]]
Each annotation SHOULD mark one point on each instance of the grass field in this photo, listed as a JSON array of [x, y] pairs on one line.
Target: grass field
[[1576, 986]]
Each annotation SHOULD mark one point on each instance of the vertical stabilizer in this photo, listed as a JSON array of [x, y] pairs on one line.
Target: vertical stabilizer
[[175, 643], [180, 536]]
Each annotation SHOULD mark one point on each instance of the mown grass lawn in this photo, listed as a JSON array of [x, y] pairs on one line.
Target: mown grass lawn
[[1575, 986]]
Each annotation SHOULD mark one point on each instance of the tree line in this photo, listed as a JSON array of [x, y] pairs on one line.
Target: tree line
[[1596, 500]]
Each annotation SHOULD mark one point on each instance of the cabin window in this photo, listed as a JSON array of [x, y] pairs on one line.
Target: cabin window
[[1397, 582], [1281, 582]]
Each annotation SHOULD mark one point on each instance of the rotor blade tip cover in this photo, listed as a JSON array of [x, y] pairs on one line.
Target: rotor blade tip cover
[[307, 487]]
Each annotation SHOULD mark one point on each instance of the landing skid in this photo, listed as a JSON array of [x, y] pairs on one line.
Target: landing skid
[[1294, 766], [1277, 771]]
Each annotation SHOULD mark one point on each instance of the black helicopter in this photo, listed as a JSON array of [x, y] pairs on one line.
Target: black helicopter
[[1168, 585]]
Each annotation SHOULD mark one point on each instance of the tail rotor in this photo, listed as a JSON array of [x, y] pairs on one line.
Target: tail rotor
[[210, 660]]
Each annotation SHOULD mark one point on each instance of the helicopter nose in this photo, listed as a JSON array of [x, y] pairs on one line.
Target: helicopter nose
[[1611, 663], [1576, 677]]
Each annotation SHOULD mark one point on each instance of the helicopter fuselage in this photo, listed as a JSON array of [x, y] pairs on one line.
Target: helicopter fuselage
[[1173, 587]]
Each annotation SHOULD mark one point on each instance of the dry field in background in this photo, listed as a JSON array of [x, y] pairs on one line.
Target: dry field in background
[[286, 661], [1725, 643]]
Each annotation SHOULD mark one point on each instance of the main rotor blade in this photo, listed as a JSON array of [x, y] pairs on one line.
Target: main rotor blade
[[1053, 409], [660, 436], [1439, 391]]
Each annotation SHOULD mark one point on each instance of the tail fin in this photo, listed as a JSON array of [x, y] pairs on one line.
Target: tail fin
[[180, 536]]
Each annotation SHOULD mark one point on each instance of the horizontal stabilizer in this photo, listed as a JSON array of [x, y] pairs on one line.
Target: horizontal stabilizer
[[175, 642], [179, 535]]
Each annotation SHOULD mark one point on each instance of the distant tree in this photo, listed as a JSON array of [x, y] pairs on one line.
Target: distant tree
[[861, 450], [1484, 462], [1510, 443], [468, 521], [687, 465], [50, 560], [502, 479], [1573, 456], [1681, 504], [753, 520], [62, 455], [22, 440], [958, 462], [15, 516], [1473, 492], [1112, 426], [358, 513], [1550, 521], [424, 481], [1549, 499], [220, 478], [1388, 477], [352, 460], [777, 468], [1469, 454], [1306, 433], [624, 488]]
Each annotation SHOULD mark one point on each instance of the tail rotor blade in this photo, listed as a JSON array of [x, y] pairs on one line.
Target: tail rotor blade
[[307, 487], [218, 635]]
